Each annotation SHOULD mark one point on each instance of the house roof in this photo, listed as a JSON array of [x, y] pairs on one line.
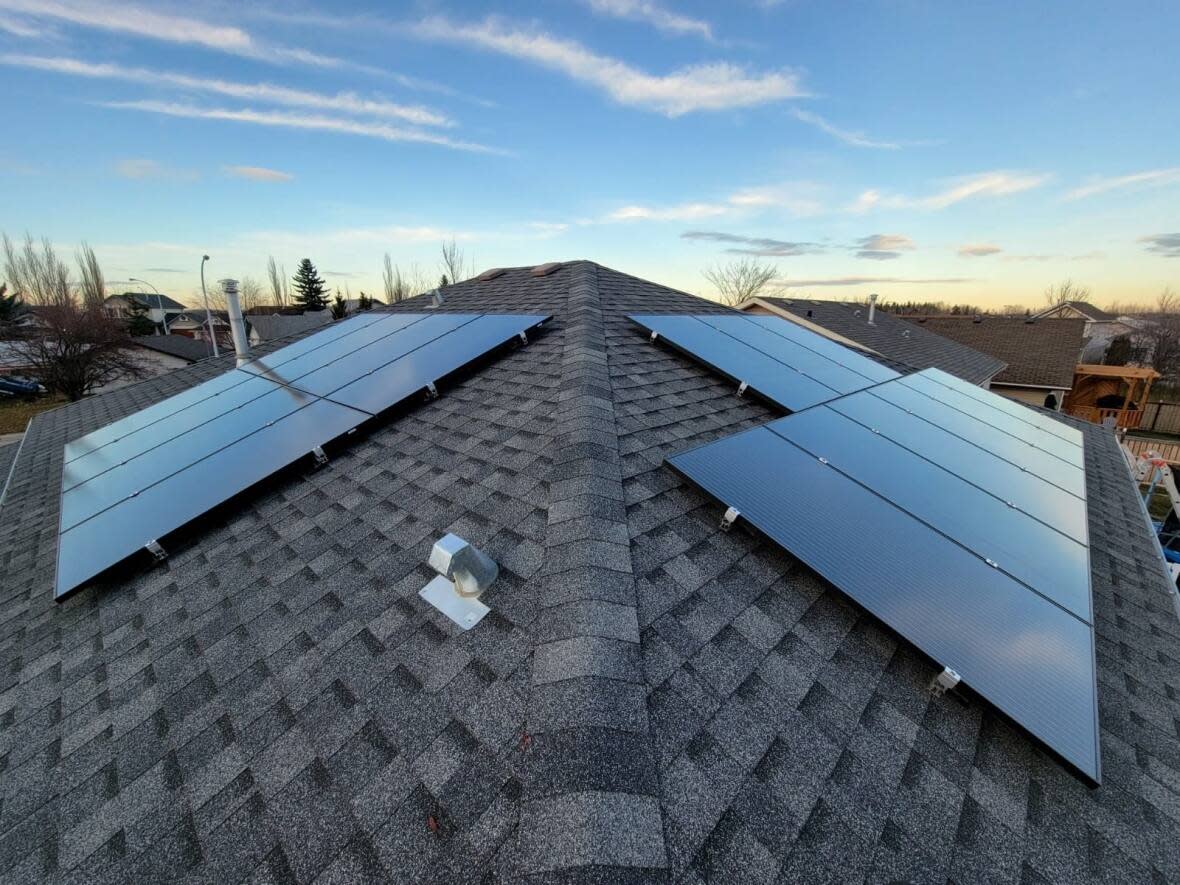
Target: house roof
[[1085, 308], [198, 315], [893, 337], [1039, 353], [649, 699], [148, 299], [270, 326], [181, 346]]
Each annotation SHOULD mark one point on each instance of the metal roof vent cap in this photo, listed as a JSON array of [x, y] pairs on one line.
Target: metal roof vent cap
[[436, 298], [873, 308], [464, 573]]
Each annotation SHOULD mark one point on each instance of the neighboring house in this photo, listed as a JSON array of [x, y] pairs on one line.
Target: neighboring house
[[1041, 355], [352, 305], [268, 327], [192, 324], [651, 699], [159, 355], [887, 336], [1101, 327], [157, 307], [12, 360]]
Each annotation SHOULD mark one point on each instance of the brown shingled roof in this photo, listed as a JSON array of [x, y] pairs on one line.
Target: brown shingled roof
[[1039, 353]]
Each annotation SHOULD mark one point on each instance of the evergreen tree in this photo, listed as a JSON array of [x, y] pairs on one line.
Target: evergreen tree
[[138, 321], [339, 306], [310, 289], [365, 302]]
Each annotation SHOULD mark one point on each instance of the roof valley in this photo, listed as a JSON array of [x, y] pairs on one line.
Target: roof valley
[[591, 795]]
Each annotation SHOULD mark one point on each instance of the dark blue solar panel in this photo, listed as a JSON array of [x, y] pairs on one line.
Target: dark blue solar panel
[[116, 533], [1022, 651], [792, 366], [132, 482]]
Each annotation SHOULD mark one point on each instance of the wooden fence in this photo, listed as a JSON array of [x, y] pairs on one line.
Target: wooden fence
[[1160, 417], [1166, 450]]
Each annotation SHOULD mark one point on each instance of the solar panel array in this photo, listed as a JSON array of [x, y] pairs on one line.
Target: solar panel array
[[129, 483], [955, 516], [782, 361]]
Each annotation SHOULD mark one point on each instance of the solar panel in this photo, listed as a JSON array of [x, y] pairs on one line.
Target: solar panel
[[982, 565], [127, 484], [785, 363]]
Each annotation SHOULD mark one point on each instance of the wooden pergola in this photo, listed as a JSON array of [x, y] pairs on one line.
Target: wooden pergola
[[1097, 389]]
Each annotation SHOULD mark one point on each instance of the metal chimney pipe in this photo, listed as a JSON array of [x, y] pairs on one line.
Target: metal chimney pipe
[[237, 324], [872, 308]]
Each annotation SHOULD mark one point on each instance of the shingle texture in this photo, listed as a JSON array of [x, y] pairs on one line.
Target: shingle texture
[[278, 325], [650, 699], [1041, 353], [186, 348], [1085, 308], [894, 338]]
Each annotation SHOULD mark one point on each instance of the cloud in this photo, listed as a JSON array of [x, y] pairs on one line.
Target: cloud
[[285, 120], [1167, 245], [663, 20], [848, 136], [978, 250], [341, 102], [705, 87], [19, 28], [142, 168], [153, 25], [257, 173], [1157, 177], [682, 212], [858, 281], [763, 246], [163, 270], [883, 247], [997, 183]]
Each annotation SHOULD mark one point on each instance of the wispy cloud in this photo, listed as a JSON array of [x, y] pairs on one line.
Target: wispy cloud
[[681, 212], [662, 19], [280, 119], [883, 247], [341, 102], [1167, 245], [706, 87], [19, 28], [140, 21], [848, 136], [163, 270], [142, 168], [258, 173], [860, 281], [997, 183], [978, 250], [1152, 177], [753, 245]]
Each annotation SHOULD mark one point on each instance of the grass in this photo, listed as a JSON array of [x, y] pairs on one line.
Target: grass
[[15, 413]]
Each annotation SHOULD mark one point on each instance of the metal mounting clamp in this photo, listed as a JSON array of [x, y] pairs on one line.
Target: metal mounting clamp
[[729, 518], [654, 336], [321, 457], [943, 682], [742, 388], [524, 338], [153, 547], [431, 390]]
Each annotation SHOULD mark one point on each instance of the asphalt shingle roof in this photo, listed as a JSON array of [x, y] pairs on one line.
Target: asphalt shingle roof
[[151, 300], [182, 346], [271, 326], [1090, 311], [650, 699], [1040, 353], [894, 338]]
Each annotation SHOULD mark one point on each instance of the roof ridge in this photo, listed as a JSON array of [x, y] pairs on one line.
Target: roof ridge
[[592, 765]]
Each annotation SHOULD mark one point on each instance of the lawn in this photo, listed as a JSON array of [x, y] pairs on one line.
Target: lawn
[[15, 413]]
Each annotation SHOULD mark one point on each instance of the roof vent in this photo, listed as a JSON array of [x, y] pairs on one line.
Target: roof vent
[[543, 270], [873, 308], [809, 311], [436, 298], [464, 572], [905, 333], [490, 274]]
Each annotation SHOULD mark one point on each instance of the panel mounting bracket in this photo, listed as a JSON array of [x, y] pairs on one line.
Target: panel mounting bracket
[[431, 390], [654, 336], [943, 682], [729, 518], [153, 547], [321, 457], [524, 338], [742, 388]]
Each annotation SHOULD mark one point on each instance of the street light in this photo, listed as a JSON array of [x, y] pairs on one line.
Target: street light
[[159, 301], [208, 313]]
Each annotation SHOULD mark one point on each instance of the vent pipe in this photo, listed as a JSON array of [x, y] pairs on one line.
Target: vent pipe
[[873, 308], [436, 298], [237, 325]]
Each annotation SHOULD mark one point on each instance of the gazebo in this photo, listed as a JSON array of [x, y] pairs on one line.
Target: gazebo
[[1101, 392]]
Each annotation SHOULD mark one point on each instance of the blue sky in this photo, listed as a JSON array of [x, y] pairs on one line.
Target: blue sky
[[944, 150]]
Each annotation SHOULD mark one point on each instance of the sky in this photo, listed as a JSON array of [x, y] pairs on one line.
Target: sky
[[924, 150]]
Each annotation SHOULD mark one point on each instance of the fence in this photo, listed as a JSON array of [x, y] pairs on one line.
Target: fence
[[1160, 417], [1170, 452]]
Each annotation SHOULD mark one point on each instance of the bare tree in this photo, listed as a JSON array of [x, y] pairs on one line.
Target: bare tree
[[740, 280], [1066, 291], [278, 281], [1157, 337], [75, 345], [93, 287], [454, 264], [398, 285], [250, 294], [36, 274]]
